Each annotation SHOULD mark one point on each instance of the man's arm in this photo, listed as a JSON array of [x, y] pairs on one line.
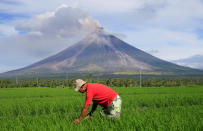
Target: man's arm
[[83, 112], [94, 107]]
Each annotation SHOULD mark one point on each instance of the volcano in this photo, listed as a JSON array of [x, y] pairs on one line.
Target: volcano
[[101, 52]]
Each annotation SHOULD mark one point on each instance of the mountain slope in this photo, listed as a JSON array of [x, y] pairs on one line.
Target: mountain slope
[[101, 52]]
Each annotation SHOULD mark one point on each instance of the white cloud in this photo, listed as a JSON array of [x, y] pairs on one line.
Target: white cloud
[[108, 6], [169, 44], [178, 14], [31, 6], [182, 14], [7, 30], [4, 68]]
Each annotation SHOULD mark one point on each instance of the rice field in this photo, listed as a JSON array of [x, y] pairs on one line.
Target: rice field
[[152, 108]]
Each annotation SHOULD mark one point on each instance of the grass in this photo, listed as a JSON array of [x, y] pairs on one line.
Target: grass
[[174, 108]]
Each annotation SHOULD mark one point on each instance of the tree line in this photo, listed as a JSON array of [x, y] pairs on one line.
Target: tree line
[[112, 82]]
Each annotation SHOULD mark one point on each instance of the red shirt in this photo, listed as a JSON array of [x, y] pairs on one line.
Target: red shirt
[[101, 94]]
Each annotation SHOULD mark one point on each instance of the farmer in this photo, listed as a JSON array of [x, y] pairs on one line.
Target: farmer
[[98, 94]]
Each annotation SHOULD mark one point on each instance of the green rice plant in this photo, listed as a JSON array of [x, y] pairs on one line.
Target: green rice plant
[[35, 109]]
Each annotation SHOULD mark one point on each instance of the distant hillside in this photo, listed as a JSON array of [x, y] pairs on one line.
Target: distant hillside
[[193, 62]]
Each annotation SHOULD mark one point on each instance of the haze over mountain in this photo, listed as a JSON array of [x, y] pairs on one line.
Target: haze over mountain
[[102, 52], [195, 61]]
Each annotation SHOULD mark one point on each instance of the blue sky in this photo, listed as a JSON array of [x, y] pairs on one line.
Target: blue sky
[[33, 30]]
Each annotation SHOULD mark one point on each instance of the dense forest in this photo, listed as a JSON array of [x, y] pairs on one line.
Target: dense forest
[[112, 82]]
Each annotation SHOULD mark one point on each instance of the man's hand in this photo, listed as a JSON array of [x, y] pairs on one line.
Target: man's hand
[[83, 112], [76, 121], [88, 116]]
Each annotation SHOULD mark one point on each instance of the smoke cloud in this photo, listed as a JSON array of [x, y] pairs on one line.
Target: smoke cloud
[[48, 33], [63, 22]]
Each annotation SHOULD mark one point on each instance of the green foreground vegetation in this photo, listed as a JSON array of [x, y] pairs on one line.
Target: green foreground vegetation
[[154, 108]]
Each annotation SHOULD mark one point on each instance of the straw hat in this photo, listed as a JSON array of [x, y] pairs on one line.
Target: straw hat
[[78, 84]]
